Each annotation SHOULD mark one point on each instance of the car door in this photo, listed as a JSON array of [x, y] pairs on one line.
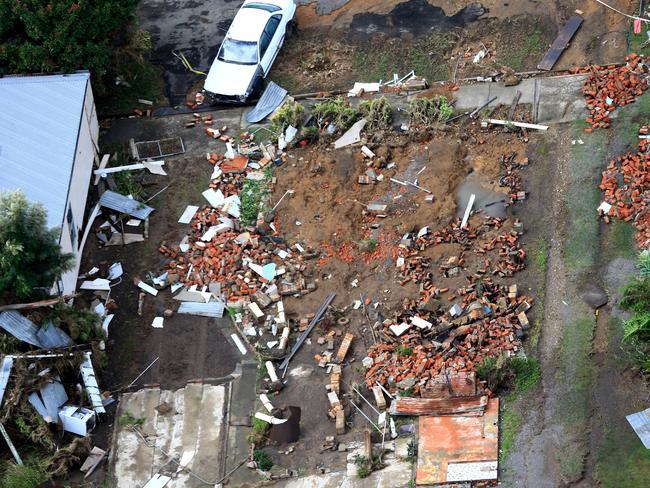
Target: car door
[[270, 42]]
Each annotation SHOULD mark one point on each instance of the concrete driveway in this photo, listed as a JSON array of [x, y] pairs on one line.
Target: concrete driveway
[[193, 27]]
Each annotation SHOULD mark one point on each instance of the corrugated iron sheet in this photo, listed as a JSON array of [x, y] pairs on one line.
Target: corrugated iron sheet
[[123, 204], [19, 327], [48, 337], [469, 405], [270, 100], [49, 399], [211, 309], [39, 126], [92, 387], [469, 444], [5, 373], [51, 337], [640, 422]]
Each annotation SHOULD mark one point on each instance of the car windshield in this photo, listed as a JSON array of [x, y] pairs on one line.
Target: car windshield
[[240, 52]]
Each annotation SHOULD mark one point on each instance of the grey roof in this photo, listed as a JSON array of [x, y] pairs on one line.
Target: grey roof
[[123, 204], [211, 309], [640, 422], [268, 102], [88, 375], [47, 337], [5, 372], [39, 125]]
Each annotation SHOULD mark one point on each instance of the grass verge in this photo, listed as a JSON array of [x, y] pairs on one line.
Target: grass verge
[[514, 56]]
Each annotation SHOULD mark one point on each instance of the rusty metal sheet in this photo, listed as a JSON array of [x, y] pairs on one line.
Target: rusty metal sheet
[[560, 43], [469, 405], [469, 444]]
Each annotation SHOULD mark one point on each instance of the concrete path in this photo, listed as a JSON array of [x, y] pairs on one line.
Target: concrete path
[[554, 99], [193, 424]]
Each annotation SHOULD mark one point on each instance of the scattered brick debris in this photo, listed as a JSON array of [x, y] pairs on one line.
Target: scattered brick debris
[[608, 87]]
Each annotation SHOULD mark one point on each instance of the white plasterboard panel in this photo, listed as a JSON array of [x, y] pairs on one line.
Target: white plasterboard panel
[[472, 471]]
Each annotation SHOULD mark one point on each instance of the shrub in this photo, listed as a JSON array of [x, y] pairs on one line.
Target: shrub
[[509, 372], [41, 36], [28, 476], [337, 111], [377, 112], [290, 113], [30, 257], [263, 460], [429, 111]]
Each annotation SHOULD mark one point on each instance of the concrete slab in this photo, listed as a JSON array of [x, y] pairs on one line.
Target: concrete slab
[[554, 99], [192, 422]]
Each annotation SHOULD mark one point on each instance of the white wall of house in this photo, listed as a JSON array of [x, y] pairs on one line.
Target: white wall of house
[[73, 221]]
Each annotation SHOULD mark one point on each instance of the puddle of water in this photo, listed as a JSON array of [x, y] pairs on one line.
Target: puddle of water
[[492, 202]]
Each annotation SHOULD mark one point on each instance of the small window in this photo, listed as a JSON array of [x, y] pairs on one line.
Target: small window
[[73, 228], [269, 32], [265, 40]]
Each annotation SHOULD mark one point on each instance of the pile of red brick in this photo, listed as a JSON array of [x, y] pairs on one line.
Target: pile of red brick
[[608, 87], [626, 185], [491, 324]]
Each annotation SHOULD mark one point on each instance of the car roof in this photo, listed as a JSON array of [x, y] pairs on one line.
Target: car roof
[[248, 24]]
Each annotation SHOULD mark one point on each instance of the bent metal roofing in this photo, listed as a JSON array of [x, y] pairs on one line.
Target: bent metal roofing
[[39, 124]]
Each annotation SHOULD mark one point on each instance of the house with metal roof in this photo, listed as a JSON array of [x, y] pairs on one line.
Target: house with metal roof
[[48, 143]]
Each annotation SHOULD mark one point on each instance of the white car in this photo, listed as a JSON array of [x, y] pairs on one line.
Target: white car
[[249, 49]]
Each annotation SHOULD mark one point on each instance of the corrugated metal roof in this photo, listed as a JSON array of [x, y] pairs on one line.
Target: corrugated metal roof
[[270, 100], [51, 337], [469, 444], [39, 125], [123, 204], [48, 337], [640, 422], [5, 372], [211, 309], [92, 387], [19, 327]]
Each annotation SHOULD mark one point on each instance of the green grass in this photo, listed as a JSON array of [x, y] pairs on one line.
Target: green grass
[[619, 240], [126, 419], [539, 254], [424, 56], [581, 249], [30, 475], [263, 460], [515, 56], [575, 374], [634, 41], [511, 421]]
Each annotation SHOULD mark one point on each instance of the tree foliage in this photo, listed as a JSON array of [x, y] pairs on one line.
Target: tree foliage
[[42, 36], [30, 257]]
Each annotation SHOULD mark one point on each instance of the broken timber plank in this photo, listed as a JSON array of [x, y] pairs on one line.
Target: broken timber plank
[[513, 106], [560, 43], [522, 125], [468, 406]]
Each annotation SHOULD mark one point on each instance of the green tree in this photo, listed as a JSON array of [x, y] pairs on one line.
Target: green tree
[[30, 257], [61, 35]]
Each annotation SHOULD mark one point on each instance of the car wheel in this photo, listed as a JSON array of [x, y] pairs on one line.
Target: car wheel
[[292, 28], [258, 88]]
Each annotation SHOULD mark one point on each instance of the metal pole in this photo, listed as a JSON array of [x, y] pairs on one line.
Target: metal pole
[[12, 448], [365, 400], [365, 416], [140, 375]]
